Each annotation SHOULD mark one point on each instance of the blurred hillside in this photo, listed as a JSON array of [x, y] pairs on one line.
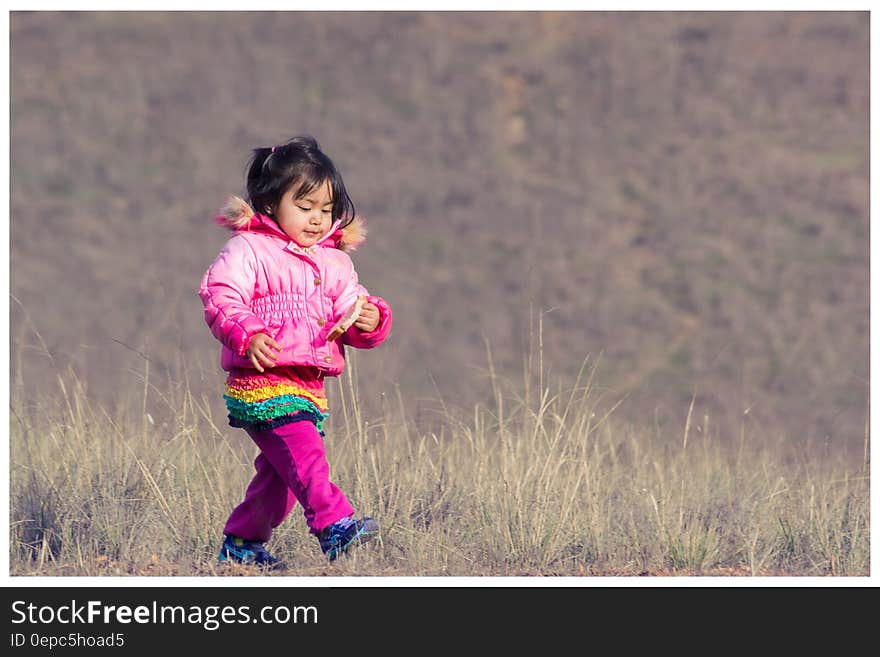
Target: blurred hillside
[[684, 193]]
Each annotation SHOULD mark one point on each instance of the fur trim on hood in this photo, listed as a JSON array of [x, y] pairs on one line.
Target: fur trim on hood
[[238, 215]]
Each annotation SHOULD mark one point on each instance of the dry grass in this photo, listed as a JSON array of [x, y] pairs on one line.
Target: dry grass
[[542, 482]]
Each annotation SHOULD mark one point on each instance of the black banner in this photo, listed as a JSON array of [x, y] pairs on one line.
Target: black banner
[[149, 619]]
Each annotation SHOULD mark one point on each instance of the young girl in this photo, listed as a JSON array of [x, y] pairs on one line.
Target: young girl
[[272, 297]]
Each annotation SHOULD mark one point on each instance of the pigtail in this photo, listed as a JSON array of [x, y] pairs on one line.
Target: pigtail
[[236, 214]]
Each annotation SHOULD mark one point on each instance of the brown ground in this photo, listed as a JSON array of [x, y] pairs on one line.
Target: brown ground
[[684, 193]]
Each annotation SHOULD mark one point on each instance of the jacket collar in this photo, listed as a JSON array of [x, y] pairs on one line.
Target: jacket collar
[[260, 223], [237, 215]]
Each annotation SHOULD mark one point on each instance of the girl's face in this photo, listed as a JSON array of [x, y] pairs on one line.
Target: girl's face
[[307, 219]]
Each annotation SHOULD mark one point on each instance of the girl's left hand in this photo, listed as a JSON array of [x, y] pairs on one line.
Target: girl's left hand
[[368, 320]]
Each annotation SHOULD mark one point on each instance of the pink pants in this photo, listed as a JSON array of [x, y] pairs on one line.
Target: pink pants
[[291, 466]]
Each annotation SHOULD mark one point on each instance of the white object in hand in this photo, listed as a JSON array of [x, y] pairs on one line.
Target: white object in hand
[[349, 318]]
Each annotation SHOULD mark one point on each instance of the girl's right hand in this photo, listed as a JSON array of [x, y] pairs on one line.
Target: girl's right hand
[[260, 351]]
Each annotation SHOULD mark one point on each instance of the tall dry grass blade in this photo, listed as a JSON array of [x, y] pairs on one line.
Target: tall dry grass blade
[[687, 423], [160, 497], [866, 458], [496, 386]]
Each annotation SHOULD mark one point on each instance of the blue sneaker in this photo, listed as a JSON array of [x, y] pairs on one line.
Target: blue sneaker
[[343, 534], [249, 553]]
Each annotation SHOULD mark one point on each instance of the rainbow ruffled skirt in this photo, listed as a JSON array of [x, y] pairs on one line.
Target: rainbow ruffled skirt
[[272, 399]]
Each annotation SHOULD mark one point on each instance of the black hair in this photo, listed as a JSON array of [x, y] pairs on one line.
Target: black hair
[[271, 171]]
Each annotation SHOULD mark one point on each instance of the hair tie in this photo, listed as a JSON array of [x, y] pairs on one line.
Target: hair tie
[[273, 150]]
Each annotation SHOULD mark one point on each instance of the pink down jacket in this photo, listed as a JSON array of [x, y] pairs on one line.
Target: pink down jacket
[[264, 282]]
